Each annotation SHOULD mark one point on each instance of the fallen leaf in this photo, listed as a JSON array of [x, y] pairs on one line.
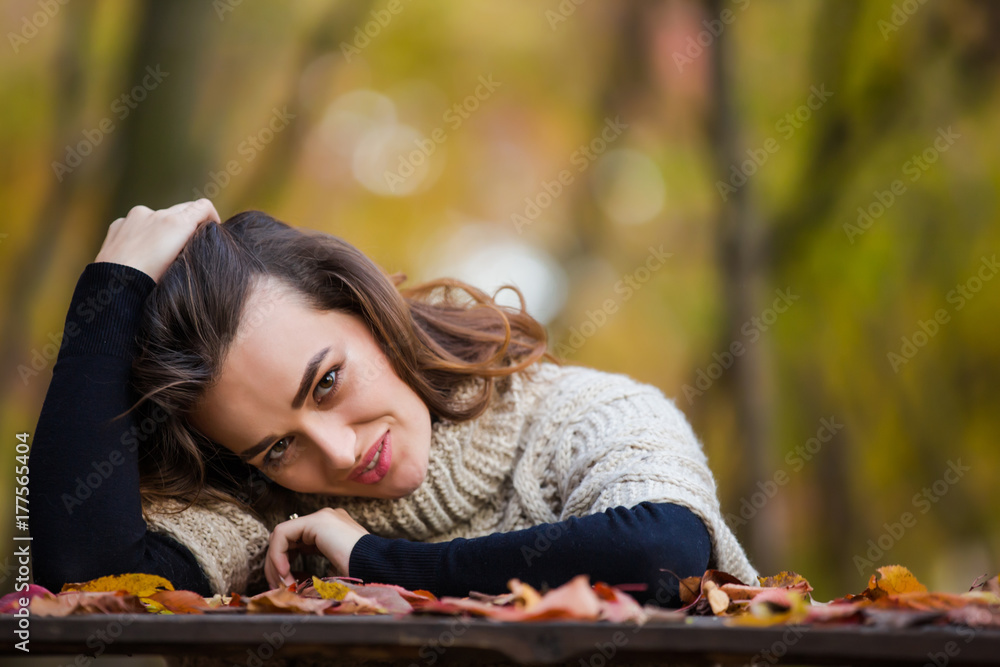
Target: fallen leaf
[[352, 603], [894, 579], [988, 585], [975, 616], [141, 585], [774, 606], [284, 601], [717, 599], [786, 579], [330, 590], [386, 598], [835, 612], [182, 602], [524, 596], [86, 602], [617, 606], [689, 589], [700, 604], [574, 599], [10, 603]]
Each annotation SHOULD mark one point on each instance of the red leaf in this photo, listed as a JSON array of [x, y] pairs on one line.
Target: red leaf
[[10, 603]]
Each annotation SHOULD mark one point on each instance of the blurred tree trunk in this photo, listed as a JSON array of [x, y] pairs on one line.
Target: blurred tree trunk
[[744, 281], [33, 265]]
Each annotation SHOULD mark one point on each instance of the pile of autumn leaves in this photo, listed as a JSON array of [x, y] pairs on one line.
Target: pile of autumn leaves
[[893, 597]]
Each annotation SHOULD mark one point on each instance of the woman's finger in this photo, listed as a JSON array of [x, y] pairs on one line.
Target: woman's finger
[[277, 557], [138, 211], [194, 211], [269, 575]]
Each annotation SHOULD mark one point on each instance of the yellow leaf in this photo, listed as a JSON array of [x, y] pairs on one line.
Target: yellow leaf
[[330, 590], [142, 585], [775, 606], [154, 607], [895, 579], [785, 579]]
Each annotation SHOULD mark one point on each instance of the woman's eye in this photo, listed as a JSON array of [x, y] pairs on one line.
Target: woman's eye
[[327, 384], [275, 453]]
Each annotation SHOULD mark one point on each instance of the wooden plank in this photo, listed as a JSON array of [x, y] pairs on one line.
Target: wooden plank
[[447, 639]]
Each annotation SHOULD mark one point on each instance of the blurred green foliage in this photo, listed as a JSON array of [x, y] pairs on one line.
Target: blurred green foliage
[[752, 205]]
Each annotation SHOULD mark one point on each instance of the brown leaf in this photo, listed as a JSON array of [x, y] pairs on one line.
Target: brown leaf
[[86, 602], [689, 589], [717, 577], [573, 600], [352, 603], [387, 598], [921, 601], [284, 601], [786, 579]]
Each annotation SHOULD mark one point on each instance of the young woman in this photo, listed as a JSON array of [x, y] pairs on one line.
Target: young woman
[[234, 402]]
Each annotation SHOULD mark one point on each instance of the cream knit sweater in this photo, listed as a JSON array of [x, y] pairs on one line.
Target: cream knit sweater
[[560, 442]]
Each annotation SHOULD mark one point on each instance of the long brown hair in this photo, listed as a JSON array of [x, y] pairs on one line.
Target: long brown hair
[[437, 336]]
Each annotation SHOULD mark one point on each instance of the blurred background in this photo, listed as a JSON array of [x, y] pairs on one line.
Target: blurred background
[[781, 213]]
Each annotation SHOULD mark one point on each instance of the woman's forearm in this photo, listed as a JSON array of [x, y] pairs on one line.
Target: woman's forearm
[[651, 544], [86, 518]]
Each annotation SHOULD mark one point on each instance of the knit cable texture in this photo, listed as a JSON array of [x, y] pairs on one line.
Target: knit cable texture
[[561, 442]]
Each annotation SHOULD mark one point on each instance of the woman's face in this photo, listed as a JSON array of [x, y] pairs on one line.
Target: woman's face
[[309, 397]]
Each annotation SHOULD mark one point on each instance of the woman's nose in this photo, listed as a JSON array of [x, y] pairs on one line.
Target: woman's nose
[[336, 441]]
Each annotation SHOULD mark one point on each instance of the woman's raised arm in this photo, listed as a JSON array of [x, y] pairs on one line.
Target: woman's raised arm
[[86, 518]]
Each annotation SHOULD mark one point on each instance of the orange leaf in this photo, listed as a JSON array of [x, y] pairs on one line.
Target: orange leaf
[[690, 589], [182, 602], [893, 579]]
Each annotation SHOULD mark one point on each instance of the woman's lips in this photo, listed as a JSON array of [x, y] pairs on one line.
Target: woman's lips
[[381, 468]]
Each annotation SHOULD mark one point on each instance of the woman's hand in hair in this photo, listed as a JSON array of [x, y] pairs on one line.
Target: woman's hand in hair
[[331, 532], [150, 240]]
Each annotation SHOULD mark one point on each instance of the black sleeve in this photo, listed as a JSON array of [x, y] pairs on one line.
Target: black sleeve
[[651, 544], [86, 514]]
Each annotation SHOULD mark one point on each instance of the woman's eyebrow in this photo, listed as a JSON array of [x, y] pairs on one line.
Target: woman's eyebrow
[[308, 376], [251, 453]]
